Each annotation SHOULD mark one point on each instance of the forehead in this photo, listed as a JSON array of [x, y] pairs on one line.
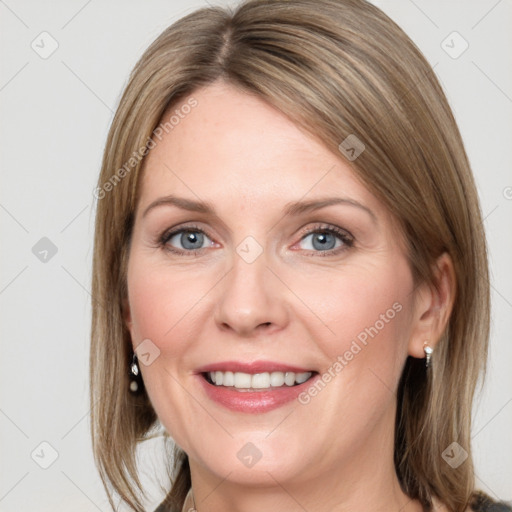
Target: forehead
[[234, 145]]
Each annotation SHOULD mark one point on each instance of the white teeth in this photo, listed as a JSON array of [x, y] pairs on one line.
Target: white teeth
[[242, 380], [302, 377], [260, 381], [264, 380], [276, 379], [228, 379], [289, 378]]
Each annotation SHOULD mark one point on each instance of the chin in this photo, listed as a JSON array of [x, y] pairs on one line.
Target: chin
[[250, 459]]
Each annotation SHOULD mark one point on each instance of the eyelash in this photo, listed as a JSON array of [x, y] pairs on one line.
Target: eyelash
[[344, 236]]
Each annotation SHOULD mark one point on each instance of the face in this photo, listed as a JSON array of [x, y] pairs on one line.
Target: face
[[257, 257]]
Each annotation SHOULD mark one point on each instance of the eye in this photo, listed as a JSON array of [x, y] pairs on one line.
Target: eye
[[321, 239], [326, 239], [189, 239]]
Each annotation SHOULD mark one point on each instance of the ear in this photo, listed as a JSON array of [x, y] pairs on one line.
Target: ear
[[127, 315], [433, 304]]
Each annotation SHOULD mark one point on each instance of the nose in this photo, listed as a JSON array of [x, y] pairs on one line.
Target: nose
[[251, 299]]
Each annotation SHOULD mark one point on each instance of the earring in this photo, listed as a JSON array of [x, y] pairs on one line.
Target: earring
[[428, 353], [135, 376]]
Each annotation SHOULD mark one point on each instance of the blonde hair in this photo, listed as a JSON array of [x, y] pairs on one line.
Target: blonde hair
[[335, 68]]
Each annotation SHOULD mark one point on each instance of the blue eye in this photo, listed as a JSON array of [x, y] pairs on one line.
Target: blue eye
[[322, 240], [186, 240], [327, 240]]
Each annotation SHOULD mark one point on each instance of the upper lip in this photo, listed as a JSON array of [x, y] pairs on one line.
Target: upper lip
[[251, 367]]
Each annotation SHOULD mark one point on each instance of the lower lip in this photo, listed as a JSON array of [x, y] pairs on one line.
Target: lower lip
[[253, 401]]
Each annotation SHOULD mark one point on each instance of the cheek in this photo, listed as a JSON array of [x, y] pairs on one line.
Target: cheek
[[363, 335], [162, 302], [365, 315]]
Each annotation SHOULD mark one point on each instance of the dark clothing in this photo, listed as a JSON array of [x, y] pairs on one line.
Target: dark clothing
[[483, 503]]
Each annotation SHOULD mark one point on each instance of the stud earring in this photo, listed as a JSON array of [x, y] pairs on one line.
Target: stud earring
[[135, 376], [428, 353]]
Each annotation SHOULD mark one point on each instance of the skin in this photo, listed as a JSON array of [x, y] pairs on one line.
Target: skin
[[293, 304]]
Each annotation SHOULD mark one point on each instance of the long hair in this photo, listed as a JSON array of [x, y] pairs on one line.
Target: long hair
[[337, 68]]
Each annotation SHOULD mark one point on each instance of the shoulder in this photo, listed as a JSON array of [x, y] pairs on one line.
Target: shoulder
[[481, 502]]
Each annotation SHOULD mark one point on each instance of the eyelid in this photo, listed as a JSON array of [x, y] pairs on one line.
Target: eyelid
[[322, 226], [346, 237]]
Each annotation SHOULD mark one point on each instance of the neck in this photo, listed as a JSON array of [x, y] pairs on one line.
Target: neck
[[326, 495], [366, 480]]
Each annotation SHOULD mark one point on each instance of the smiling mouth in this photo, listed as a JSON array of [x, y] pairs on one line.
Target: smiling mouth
[[241, 381]]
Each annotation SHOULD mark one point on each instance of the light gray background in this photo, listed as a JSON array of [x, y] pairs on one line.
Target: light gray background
[[55, 114]]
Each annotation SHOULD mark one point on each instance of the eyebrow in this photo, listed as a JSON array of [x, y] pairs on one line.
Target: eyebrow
[[294, 208]]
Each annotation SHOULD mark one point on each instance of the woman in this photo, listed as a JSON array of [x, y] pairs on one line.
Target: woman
[[290, 269]]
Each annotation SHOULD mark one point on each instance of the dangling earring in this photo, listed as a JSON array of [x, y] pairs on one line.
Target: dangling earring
[[135, 376], [428, 353], [190, 497]]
